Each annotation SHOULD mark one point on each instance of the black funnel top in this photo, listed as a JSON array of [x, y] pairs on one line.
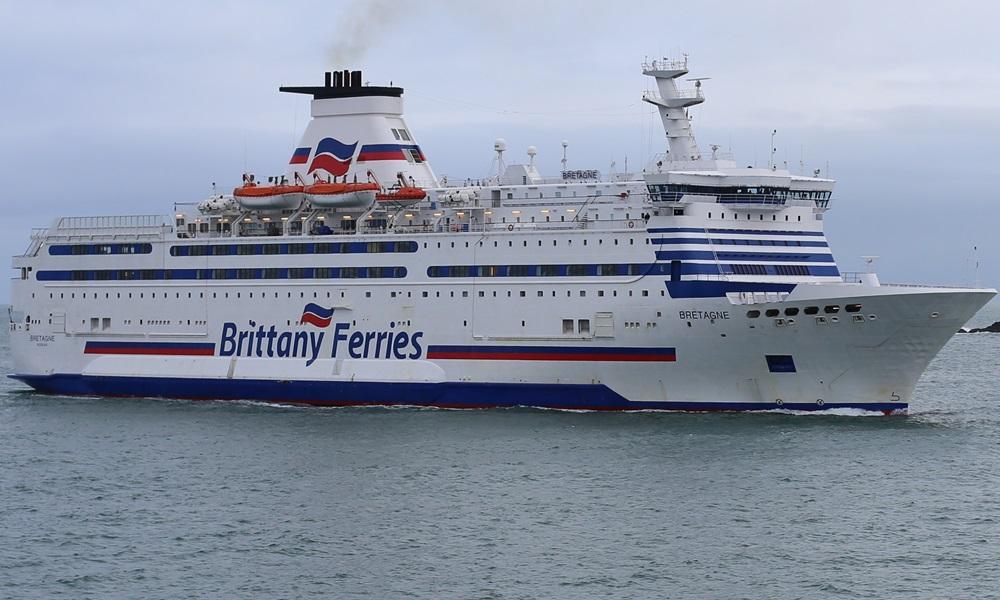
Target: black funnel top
[[343, 84]]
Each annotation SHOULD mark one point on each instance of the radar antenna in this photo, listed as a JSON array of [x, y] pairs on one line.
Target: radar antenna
[[500, 146]]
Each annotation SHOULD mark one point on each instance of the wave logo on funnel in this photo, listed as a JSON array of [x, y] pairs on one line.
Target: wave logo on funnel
[[333, 156], [314, 314]]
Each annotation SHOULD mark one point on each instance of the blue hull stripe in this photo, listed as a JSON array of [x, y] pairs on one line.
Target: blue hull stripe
[[733, 231], [742, 256], [741, 242], [346, 393]]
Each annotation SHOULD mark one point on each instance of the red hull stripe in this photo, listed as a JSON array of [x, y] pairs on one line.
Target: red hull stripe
[[551, 353], [390, 155], [151, 348]]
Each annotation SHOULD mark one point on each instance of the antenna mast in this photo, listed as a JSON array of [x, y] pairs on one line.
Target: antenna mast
[[770, 162]]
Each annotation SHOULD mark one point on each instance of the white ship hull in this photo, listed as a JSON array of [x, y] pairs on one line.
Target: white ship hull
[[643, 348]]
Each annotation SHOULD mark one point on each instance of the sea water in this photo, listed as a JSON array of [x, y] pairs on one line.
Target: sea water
[[116, 498]]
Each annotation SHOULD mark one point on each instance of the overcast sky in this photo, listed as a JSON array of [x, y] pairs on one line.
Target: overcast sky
[[117, 108]]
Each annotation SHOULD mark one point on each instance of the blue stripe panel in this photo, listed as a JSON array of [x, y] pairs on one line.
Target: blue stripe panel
[[733, 231], [716, 289], [353, 393], [732, 242], [741, 256]]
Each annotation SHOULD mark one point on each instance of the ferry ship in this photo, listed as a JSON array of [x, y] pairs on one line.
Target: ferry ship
[[361, 278]]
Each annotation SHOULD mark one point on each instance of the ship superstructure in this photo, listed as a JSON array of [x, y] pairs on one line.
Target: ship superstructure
[[360, 277]]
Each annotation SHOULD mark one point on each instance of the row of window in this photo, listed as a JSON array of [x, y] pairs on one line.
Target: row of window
[[606, 270], [673, 192], [222, 274], [790, 270], [98, 249], [303, 248], [791, 311]]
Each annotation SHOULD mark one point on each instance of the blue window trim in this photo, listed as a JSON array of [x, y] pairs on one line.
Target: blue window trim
[[747, 256], [392, 272], [625, 270], [734, 231], [95, 249], [741, 242], [382, 247], [540, 271]]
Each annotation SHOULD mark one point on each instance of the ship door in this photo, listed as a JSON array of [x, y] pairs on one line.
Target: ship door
[[675, 270], [604, 325]]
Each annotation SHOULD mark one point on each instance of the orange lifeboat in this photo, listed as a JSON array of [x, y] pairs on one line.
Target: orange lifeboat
[[341, 195], [402, 195], [268, 197]]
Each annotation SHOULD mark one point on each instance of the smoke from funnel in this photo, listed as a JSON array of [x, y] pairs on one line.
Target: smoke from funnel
[[362, 26]]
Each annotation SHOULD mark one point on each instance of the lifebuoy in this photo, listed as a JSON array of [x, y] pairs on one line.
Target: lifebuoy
[[510, 227], [631, 224]]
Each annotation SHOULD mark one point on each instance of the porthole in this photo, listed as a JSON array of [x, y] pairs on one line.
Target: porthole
[[753, 314], [853, 308], [811, 310], [831, 309], [791, 311], [771, 312]]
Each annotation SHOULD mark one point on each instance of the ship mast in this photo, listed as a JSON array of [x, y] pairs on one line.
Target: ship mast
[[673, 103]]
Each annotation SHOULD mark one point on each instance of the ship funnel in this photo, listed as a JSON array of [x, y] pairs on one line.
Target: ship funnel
[[357, 129]]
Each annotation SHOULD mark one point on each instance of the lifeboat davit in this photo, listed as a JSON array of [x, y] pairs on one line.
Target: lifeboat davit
[[402, 195], [341, 195], [269, 197]]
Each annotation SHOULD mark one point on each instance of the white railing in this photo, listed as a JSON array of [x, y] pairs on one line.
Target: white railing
[[688, 93], [665, 64], [112, 222]]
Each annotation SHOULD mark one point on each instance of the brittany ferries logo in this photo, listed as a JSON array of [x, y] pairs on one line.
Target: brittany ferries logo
[[258, 341], [332, 156], [314, 314]]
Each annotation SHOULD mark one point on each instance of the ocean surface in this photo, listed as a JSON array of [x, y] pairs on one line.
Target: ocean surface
[[169, 499]]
